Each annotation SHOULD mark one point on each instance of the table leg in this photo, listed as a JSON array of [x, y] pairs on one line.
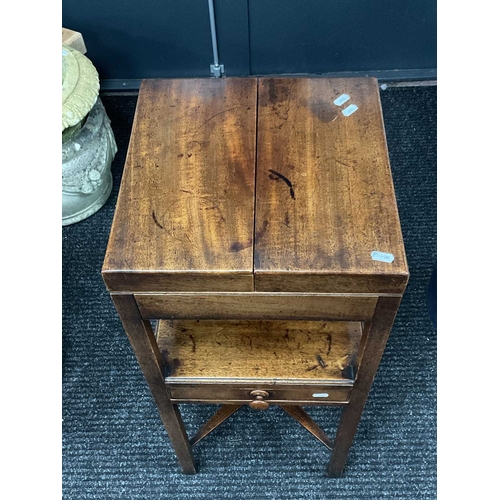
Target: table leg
[[374, 345], [146, 350]]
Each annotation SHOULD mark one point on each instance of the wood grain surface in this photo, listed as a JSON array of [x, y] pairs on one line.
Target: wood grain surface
[[324, 193], [186, 202], [265, 350], [256, 305], [284, 392]]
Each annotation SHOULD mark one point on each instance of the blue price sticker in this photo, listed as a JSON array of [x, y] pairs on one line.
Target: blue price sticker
[[382, 256]]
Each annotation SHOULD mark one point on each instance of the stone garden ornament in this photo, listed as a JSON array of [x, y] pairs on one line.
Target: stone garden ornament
[[88, 143]]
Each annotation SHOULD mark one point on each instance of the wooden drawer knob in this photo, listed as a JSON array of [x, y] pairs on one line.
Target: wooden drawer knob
[[258, 403]]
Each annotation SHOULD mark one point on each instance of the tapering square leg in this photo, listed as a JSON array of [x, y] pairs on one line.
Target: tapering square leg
[[374, 345], [146, 350]]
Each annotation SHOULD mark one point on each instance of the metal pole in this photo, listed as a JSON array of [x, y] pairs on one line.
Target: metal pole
[[216, 69]]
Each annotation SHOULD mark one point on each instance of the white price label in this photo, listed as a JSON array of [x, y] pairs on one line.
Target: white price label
[[383, 256]]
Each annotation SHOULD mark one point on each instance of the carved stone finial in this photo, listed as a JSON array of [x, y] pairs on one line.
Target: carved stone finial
[[80, 87]]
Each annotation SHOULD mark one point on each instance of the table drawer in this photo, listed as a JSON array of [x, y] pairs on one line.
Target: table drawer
[[227, 394]]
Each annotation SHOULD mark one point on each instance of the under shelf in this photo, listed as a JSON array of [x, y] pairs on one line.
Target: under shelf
[[272, 352]]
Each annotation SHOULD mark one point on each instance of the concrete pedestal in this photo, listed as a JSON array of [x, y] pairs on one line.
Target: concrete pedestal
[[86, 167]]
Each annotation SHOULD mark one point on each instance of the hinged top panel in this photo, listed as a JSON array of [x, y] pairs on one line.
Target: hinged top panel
[[185, 213], [326, 214]]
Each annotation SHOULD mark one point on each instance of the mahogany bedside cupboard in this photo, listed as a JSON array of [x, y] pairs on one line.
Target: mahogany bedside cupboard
[[257, 221]]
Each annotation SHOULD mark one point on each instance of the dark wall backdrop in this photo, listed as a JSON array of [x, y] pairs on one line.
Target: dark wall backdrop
[[127, 39], [322, 36]]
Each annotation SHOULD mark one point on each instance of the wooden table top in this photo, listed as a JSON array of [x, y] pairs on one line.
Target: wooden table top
[[246, 184]]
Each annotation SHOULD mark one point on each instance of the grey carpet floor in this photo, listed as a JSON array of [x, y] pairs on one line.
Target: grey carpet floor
[[114, 444]]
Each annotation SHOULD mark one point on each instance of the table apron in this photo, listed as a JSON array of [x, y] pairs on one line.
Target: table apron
[[257, 305]]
